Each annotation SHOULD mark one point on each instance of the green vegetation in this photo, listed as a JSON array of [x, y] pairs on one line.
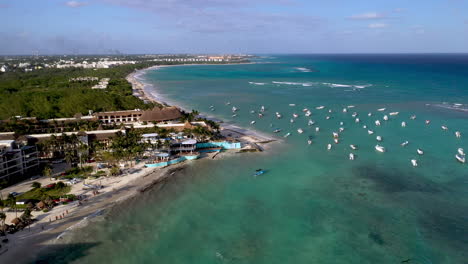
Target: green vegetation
[[59, 190], [48, 93]]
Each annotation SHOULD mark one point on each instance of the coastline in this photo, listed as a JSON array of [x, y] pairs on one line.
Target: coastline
[[47, 231]]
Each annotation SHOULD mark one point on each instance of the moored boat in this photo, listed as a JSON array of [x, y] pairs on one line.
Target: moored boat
[[379, 148]]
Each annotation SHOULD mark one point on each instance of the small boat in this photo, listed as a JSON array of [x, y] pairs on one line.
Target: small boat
[[212, 109], [385, 117], [357, 120], [341, 129], [414, 162], [234, 115], [335, 135], [295, 115], [260, 115], [327, 117], [444, 128], [428, 122], [461, 152], [379, 138], [413, 117], [377, 122], [370, 132], [252, 111], [420, 151], [329, 111], [317, 129], [336, 140], [458, 134], [345, 110], [258, 172], [300, 131], [211, 106], [364, 126], [460, 158], [329, 146], [277, 131], [252, 122], [341, 123], [278, 115], [379, 148], [262, 108], [354, 115], [351, 106], [353, 147], [381, 109], [234, 109], [394, 113], [291, 120], [228, 103], [351, 156], [310, 123], [369, 114], [403, 124], [292, 104], [309, 141], [320, 107], [404, 144], [287, 135], [308, 113], [305, 110]]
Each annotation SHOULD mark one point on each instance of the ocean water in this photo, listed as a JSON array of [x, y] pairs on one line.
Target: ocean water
[[312, 205]]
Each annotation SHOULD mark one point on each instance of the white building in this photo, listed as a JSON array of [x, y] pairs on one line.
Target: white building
[[17, 160]]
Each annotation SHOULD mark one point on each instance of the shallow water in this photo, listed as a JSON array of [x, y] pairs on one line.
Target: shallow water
[[312, 205]]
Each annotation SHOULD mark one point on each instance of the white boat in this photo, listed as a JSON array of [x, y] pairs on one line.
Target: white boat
[[381, 109], [357, 120], [379, 138], [394, 113], [461, 152], [234, 115], [341, 123], [278, 115], [345, 110], [404, 144], [308, 113], [310, 123], [287, 135], [329, 111], [228, 103], [341, 129], [354, 115], [262, 108], [370, 132], [460, 158], [377, 122], [212, 109], [291, 120], [420, 151], [234, 109], [211, 106], [336, 140], [351, 106], [327, 117], [260, 115], [413, 117], [277, 131], [353, 147], [300, 131], [295, 115], [428, 122], [379, 148], [351, 156], [414, 162], [305, 110], [309, 141], [292, 104], [252, 122], [364, 126], [369, 114], [329, 146], [385, 117], [252, 111], [335, 135], [317, 129], [403, 124], [444, 127], [320, 107], [458, 134]]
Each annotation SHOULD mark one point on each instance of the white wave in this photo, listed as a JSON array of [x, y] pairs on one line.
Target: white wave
[[257, 83], [338, 85], [302, 69], [294, 83]]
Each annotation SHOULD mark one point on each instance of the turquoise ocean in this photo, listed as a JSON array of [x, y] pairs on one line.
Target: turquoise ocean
[[312, 205]]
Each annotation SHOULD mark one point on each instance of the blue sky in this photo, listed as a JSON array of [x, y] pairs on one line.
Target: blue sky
[[233, 26]]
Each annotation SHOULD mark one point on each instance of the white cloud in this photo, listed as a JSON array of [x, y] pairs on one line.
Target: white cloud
[[368, 16], [377, 25], [74, 4]]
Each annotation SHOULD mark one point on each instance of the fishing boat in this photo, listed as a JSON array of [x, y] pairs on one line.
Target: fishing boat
[[461, 152], [258, 172], [404, 144], [310, 123], [379, 138], [385, 117], [320, 107], [370, 132], [287, 135], [377, 122], [317, 129], [329, 146], [444, 128], [458, 134], [300, 131], [351, 156], [252, 122], [353, 147], [420, 151], [414, 162], [381, 109], [460, 158], [403, 124], [394, 113], [379, 148], [277, 131]]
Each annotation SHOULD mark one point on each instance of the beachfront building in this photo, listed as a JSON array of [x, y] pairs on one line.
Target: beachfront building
[[17, 160], [131, 116]]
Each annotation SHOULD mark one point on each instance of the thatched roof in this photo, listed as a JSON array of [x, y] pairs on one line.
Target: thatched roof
[[161, 114]]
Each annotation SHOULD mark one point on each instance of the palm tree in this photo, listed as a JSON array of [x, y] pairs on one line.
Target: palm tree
[[69, 157], [47, 172]]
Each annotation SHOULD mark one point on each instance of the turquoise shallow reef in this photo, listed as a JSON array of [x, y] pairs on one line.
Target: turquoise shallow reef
[[313, 205]]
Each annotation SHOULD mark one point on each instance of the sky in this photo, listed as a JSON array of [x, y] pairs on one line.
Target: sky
[[232, 26]]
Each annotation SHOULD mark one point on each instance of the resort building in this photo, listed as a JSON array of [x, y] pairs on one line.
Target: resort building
[[17, 160], [130, 116]]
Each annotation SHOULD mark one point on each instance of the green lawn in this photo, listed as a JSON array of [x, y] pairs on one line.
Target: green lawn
[[41, 193]]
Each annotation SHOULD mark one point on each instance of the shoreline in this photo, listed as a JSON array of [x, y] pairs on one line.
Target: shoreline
[[47, 232]]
